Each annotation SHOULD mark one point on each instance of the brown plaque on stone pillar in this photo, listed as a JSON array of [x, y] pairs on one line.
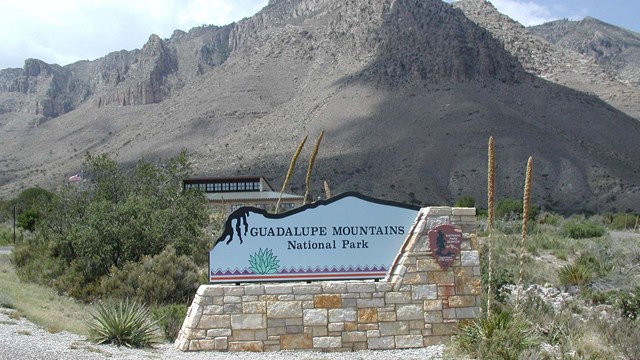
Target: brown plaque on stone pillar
[[444, 243]]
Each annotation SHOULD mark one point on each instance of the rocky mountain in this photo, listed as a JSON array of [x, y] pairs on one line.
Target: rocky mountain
[[570, 57], [407, 91], [613, 47], [135, 77]]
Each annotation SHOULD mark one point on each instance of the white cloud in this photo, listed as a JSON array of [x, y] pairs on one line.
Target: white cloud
[[525, 12]]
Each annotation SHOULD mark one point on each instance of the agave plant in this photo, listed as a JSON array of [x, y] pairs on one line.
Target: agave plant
[[576, 274], [263, 262], [124, 322]]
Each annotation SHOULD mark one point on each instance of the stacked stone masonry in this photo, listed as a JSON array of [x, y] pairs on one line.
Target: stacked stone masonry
[[418, 304]]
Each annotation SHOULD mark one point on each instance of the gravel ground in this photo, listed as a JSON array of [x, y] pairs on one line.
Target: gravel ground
[[21, 339]]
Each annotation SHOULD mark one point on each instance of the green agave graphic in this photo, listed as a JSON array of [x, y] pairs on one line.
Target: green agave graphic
[[263, 262]]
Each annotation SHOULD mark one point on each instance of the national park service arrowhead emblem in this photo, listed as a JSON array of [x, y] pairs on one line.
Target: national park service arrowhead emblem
[[444, 243]]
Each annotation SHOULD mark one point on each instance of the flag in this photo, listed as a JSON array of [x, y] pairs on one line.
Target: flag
[[74, 178]]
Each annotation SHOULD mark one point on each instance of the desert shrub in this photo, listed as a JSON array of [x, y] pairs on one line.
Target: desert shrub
[[170, 318], [75, 281], [599, 264], [498, 336], [35, 261], [628, 302], [550, 219], [465, 201], [116, 216], [6, 235], [122, 323], [623, 335], [512, 209], [162, 279], [28, 206], [622, 221], [500, 278], [582, 229]]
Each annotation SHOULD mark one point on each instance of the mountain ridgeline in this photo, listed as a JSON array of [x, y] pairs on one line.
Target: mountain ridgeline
[[407, 91]]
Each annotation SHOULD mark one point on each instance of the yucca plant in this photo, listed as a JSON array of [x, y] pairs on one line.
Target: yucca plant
[[497, 336], [123, 323]]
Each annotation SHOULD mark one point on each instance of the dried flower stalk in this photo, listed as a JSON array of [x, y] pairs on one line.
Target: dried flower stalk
[[490, 188], [525, 219], [327, 190], [292, 165], [312, 160]]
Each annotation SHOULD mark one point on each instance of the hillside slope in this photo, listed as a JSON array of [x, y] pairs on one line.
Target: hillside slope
[[408, 92]]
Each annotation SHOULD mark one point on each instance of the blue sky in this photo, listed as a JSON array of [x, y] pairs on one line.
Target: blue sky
[[66, 31]]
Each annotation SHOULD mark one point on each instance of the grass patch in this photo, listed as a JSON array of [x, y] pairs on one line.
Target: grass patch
[[39, 304]]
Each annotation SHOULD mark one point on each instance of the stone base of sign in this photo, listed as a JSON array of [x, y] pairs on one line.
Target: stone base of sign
[[418, 304]]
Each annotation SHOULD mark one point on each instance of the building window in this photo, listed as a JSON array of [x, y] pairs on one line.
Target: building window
[[225, 187], [241, 186], [209, 187], [233, 187]]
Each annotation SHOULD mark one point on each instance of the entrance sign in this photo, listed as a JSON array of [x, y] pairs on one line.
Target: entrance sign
[[349, 236], [444, 243]]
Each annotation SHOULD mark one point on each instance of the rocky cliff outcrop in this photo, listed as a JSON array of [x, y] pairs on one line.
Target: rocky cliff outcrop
[[120, 78], [559, 64], [611, 46], [42, 89]]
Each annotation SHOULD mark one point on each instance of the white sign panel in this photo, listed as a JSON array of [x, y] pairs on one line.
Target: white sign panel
[[350, 236]]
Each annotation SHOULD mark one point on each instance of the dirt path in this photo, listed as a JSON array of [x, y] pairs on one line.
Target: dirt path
[[624, 235]]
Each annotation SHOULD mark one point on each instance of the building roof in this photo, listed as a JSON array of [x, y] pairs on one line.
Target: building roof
[[250, 195], [232, 179]]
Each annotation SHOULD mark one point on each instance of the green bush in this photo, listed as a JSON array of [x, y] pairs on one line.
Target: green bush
[[500, 278], [170, 318], [622, 221], [629, 303], [465, 201], [6, 235], [116, 216], [29, 205], [550, 219], [582, 229], [122, 323], [34, 261], [162, 279], [511, 209]]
